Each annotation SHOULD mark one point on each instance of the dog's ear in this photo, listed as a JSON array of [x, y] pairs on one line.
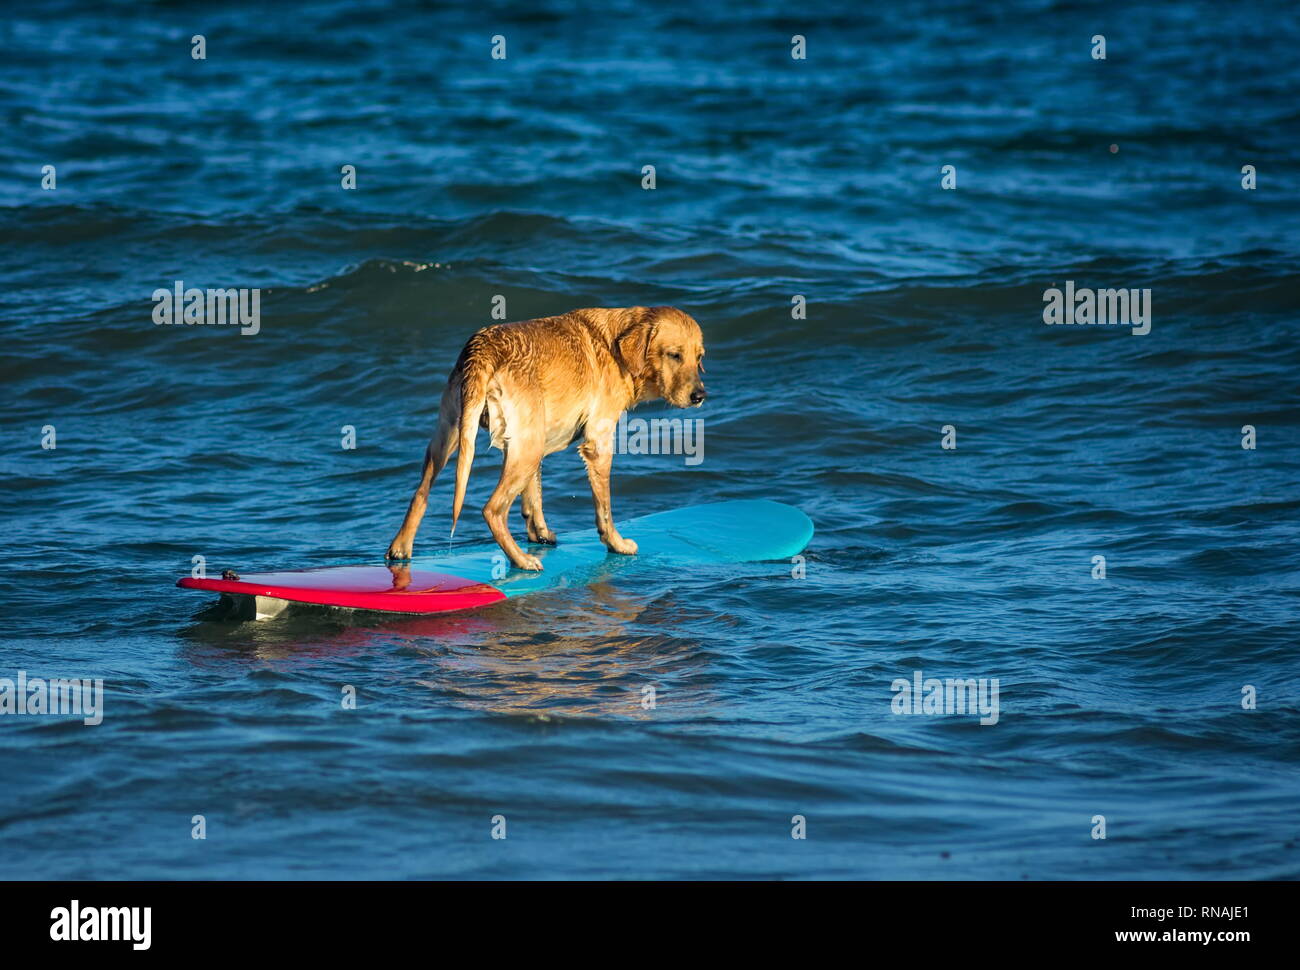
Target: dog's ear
[[632, 346]]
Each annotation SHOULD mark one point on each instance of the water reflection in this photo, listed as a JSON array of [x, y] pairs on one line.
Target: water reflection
[[576, 653]]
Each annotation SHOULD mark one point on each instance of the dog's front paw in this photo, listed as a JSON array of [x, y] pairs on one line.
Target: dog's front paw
[[398, 551], [624, 547], [545, 537], [529, 562]]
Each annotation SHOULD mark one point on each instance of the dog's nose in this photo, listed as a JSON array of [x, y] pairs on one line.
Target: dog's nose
[[698, 395]]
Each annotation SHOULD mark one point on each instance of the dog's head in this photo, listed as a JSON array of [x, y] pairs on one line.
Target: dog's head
[[663, 349]]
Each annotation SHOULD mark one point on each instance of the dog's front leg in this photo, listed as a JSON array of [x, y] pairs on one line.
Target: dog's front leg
[[598, 455]]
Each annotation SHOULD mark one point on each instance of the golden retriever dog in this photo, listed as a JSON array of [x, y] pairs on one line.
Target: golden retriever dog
[[539, 385]]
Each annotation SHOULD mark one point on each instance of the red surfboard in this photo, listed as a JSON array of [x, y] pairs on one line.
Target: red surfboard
[[397, 588]]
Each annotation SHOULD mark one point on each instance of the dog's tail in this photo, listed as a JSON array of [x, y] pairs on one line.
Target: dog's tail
[[473, 396]]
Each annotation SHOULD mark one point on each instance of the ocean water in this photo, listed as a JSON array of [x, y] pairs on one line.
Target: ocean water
[[1127, 697]]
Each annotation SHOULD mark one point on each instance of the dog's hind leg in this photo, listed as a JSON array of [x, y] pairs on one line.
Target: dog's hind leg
[[533, 517], [519, 463], [440, 450]]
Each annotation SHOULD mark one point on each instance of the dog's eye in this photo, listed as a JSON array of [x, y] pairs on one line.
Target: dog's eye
[[675, 356]]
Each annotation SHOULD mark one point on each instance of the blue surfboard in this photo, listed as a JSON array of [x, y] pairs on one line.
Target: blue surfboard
[[722, 532]]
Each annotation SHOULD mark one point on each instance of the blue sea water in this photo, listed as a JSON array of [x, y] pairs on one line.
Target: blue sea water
[[776, 177]]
